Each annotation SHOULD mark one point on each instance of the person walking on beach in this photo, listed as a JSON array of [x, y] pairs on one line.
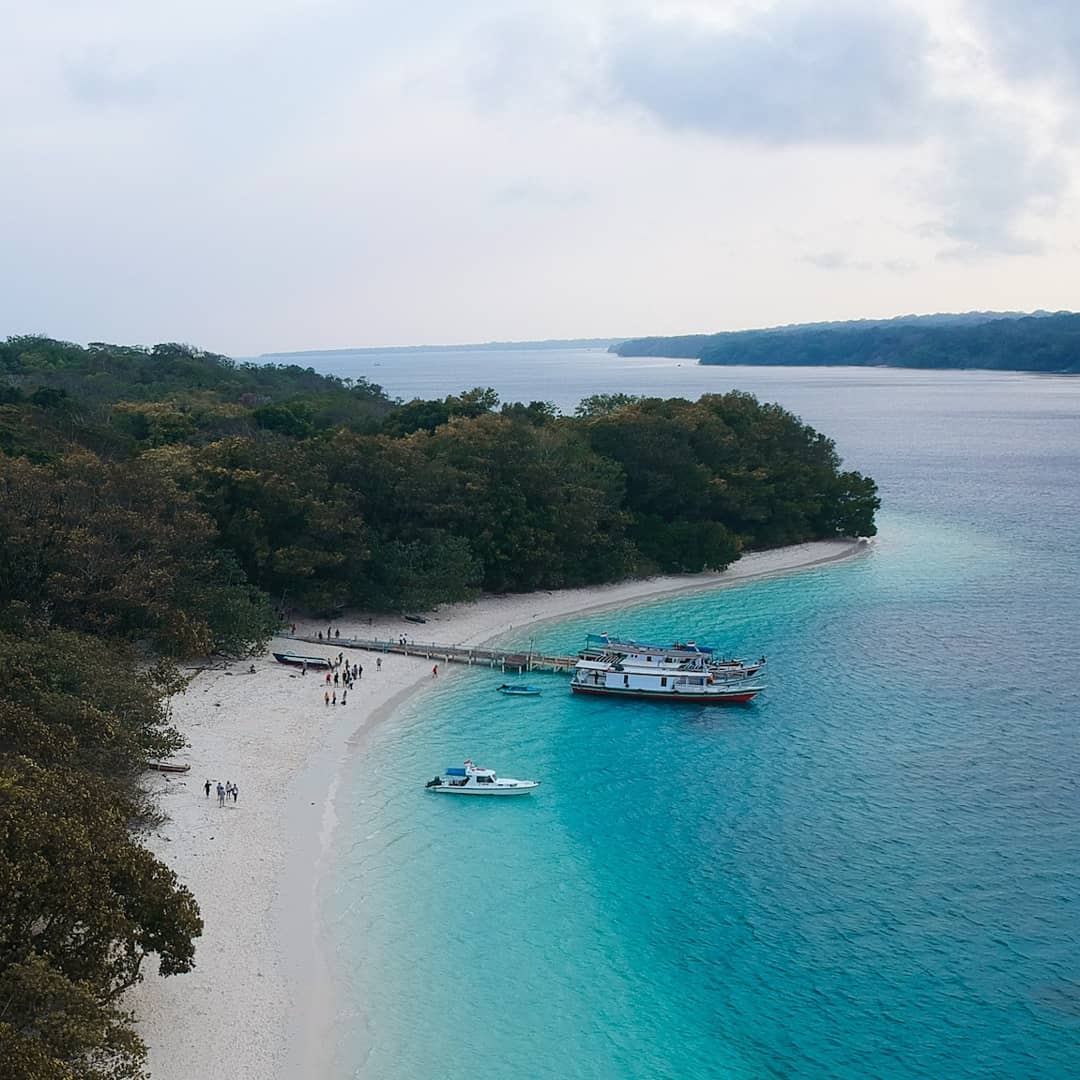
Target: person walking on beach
[[343, 695], [320, 635], [207, 787], [359, 671], [220, 794], [337, 634], [435, 672], [326, 697], [303, 668], [328, 678], [378, 663], [334, 698], [235, 792]]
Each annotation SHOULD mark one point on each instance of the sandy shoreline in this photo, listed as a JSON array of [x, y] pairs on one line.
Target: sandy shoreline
[[257, 1004]]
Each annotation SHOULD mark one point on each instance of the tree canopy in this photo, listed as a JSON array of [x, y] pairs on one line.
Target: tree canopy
[[1041, 342]]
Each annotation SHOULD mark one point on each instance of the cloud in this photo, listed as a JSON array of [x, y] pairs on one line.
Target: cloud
[[796, 73], [835, 260], [537, 193], [1038, 39], [992, 176], [842, 260], [102, 83]]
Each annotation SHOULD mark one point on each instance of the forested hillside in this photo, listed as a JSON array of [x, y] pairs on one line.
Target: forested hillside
[[1040, 342], [167, 503]]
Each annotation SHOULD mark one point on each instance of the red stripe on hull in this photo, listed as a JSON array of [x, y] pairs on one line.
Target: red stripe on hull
[[734, 698]]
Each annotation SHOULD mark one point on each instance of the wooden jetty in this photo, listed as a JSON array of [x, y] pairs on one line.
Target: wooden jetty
[[498, 659]]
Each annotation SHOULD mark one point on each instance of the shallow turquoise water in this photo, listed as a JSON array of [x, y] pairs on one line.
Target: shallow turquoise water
[[871, 871]]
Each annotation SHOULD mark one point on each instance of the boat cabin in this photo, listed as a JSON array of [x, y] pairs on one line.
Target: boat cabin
[[471, 775]]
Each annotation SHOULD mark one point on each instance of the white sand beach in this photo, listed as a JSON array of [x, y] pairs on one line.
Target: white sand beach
[[256, 996]]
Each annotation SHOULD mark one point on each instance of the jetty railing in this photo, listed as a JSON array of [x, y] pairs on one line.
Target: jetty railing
[[501, 659]]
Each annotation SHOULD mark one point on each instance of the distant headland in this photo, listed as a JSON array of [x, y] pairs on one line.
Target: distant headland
[[1003, 341], [550, 343]]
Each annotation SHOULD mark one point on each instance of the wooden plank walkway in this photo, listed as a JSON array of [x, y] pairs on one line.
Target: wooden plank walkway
[[500, 659]]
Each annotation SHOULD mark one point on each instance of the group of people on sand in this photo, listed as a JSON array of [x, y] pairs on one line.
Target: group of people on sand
[[223, 792], [343, 674]]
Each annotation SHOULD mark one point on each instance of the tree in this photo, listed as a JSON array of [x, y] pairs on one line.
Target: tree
[[83, 906]]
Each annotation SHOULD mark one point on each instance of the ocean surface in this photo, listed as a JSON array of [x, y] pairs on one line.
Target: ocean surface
[[871, 871]]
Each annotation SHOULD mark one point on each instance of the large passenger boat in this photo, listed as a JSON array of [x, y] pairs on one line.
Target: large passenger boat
[[606, 648], [672, 673]]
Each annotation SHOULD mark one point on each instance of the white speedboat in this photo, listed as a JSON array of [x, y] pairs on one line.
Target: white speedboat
[[473, 780]]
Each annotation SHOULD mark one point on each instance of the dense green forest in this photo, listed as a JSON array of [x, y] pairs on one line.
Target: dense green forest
[[1040, 342], [166, 503]]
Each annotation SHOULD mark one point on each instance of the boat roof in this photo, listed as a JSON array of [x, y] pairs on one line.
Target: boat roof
[[682, 649]]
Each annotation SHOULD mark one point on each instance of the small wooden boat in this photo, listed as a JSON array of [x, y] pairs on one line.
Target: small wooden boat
[[295, 660], [414, 618], [168, 766], [518, 690]]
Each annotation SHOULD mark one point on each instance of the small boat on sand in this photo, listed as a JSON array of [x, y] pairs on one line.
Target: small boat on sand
[[169, 766], [519, 690], [414, 618], [474, 780], [295, 660]]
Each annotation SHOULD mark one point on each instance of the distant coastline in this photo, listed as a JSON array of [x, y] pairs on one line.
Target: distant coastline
[[1042, 342], [607, 343]]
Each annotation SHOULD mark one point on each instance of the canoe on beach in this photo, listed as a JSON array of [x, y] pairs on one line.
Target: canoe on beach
[[168, 766], [295, 660]]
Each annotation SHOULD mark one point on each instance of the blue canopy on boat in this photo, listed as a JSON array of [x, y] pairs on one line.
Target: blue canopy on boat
[[455, 772]]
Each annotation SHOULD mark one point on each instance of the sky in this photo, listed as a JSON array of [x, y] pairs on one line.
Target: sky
[[261, 175]]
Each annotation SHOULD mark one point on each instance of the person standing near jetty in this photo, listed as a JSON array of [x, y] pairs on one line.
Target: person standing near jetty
[[207, 787]]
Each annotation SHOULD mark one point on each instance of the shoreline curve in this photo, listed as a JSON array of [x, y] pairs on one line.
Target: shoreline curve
[[259, 1002]]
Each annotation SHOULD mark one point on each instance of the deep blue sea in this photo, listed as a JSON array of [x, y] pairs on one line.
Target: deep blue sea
[[871, 871]]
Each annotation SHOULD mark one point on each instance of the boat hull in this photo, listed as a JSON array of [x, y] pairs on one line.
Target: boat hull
[[298, 661], [734, 696], [486, 792]]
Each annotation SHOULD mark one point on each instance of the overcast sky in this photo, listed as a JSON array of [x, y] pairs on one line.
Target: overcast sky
[[251, 175]]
